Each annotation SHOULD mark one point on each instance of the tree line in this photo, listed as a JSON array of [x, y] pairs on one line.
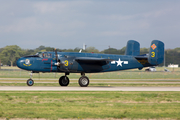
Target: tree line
[[9, 54]]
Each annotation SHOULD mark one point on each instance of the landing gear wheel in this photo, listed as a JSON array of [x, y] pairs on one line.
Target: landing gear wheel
[[64, 81], [83, 81], [30, 82]]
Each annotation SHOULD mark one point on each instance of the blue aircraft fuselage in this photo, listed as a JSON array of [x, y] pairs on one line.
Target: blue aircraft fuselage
[[71, 64]]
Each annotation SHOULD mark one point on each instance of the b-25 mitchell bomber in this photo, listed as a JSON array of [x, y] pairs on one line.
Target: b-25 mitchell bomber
[[70, 62]]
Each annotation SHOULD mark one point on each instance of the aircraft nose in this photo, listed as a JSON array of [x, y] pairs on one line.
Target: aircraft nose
[[19, 62]]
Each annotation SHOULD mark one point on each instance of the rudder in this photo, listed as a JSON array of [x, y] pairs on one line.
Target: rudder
[[156, 52]]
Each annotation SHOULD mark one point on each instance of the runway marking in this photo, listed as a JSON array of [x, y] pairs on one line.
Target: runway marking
[[91, 79], [34, 88]]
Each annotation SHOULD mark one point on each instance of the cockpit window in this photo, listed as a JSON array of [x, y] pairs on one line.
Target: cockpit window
[[39, 54], [49, 55], [44, 55]]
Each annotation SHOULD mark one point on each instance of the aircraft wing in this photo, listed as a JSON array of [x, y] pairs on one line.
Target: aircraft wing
[[92, 60]]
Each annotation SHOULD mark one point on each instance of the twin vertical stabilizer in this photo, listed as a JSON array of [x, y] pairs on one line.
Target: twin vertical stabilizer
[[132, 48], [156, 51]]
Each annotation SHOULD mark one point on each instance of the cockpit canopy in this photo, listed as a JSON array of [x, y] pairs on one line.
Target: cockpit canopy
[[44, 54]]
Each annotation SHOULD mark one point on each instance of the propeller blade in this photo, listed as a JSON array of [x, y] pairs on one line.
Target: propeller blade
[[56, 55], [58, 63]]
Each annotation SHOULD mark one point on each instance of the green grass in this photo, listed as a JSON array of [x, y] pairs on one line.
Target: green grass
[[80, 105]]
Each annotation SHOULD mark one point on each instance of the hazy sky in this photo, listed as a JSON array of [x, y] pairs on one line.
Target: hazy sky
[[68, 24]]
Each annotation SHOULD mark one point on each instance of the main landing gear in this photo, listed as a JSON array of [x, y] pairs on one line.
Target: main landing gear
[[64, 80], [83, 80]]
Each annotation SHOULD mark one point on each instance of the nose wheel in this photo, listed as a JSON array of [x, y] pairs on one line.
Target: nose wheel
[[30, 82]]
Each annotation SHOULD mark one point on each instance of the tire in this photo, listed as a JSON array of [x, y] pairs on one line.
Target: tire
[[30, 82], [63, 81], [83, 81]]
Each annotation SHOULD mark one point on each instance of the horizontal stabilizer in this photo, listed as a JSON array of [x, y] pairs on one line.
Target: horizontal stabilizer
[[143, 59]]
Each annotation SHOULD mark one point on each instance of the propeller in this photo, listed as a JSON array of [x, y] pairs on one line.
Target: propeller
[[57, 61], [56, 54]]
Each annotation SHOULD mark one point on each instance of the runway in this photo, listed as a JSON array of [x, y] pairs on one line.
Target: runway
[[111, 82], [35, 88]]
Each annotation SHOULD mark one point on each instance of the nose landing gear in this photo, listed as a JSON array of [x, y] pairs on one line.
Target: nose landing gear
[[30, 82]]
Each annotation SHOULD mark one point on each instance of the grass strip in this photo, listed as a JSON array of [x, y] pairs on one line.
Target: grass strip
[[80, 105]]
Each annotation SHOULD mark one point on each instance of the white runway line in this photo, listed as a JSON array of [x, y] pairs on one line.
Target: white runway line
[[90, 79], [106, 82], [34, 88]]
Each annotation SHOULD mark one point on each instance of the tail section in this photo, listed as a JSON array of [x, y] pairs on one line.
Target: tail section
[[156, 52], [132, 48]]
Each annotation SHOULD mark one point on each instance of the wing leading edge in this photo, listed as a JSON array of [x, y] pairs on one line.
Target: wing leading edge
[[92, 60]]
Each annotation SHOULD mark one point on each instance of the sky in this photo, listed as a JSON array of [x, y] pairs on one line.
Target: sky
[[66, 24]]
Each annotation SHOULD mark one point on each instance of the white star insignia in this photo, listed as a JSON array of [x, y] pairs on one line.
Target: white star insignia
[[119, 62]]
